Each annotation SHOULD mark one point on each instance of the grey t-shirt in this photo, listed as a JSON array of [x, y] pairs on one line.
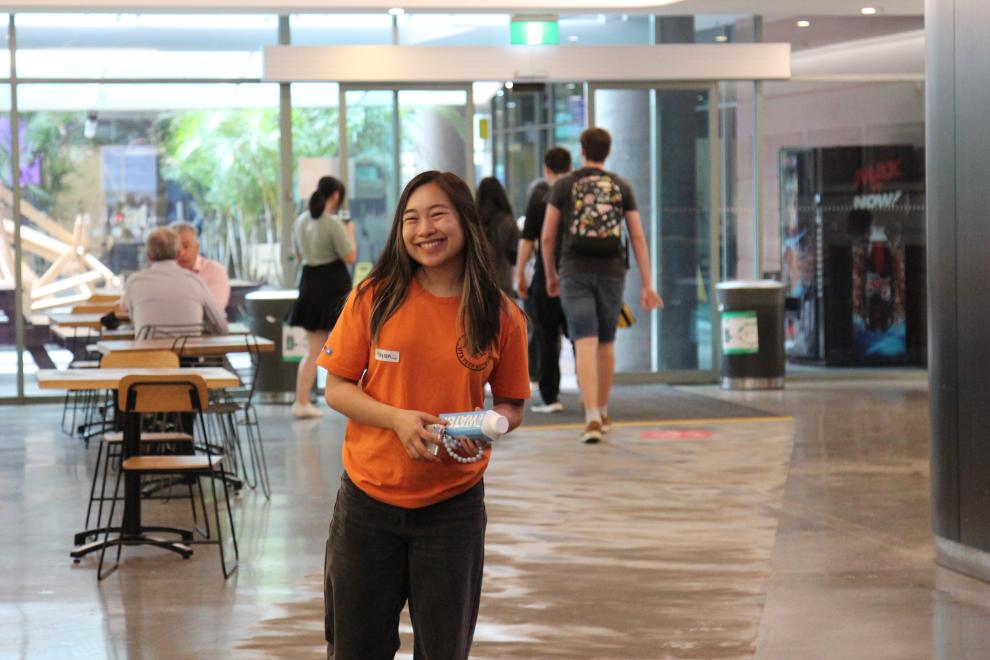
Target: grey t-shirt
[[321, 240], [562, 197]]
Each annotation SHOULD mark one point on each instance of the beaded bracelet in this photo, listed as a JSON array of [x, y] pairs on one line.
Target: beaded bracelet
[[453, 450]]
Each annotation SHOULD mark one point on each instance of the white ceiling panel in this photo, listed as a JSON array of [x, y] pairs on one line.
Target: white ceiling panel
[[673, 7]]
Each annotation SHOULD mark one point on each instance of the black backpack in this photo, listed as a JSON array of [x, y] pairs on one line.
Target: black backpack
[[597, 213]]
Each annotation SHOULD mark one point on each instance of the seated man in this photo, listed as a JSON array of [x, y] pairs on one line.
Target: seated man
[[164, 295], [214, 275]]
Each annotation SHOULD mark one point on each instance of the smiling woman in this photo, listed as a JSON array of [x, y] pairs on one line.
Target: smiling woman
[[400, 504]]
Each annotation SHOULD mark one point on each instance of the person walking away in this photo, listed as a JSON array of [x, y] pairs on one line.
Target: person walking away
[[325, 246], [588, 206], [500, 229], [548, 316], [422, 335]]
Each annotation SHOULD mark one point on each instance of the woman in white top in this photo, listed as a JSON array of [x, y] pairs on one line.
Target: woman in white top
[[324, 245]]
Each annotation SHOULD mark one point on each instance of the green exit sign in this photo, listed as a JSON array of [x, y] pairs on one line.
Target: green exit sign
[[535, 32]]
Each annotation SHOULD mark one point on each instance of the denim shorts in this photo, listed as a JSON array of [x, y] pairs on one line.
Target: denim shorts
[[592, 303]]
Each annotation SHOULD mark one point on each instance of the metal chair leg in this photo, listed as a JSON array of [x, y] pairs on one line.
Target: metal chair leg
[[106, 535]]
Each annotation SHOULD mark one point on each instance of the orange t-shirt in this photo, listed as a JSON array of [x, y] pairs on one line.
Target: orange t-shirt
[[419, 363]]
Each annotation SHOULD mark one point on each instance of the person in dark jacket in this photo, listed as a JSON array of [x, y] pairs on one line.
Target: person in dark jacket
[[500, 229]]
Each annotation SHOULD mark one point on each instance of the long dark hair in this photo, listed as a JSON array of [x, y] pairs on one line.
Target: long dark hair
[[492, 200], [481, 299], [325, 188]]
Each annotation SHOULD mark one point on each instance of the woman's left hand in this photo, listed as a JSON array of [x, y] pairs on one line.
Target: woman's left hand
[[469, 447]]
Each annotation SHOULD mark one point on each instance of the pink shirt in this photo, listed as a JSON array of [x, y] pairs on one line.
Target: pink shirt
[[215, 278]]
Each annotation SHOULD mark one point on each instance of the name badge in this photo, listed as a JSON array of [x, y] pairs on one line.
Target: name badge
[[386, 356]]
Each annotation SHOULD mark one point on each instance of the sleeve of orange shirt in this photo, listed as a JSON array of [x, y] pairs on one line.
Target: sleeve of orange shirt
[[510, 377], [345, 353]]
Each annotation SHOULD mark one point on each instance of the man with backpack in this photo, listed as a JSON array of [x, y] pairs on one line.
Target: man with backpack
[[588, 207]]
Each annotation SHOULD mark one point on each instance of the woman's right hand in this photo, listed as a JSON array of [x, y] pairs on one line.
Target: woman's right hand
[[410, 426]]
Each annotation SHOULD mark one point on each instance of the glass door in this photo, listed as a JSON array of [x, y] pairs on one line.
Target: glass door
[[390, 134], [528, 119], [664, 142]]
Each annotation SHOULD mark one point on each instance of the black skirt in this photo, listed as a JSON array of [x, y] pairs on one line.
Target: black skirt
[[322, 292]]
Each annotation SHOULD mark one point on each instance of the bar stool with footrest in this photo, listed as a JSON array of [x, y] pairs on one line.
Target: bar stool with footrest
[[159, 435], [163, 394]]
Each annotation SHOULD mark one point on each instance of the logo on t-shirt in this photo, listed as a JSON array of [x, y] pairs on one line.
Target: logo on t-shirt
[[472, 362], [386, 356]]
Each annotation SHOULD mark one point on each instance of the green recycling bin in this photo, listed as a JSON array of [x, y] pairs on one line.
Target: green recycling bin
[[751, 314]]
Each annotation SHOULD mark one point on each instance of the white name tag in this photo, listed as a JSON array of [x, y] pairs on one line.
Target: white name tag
[[386, 356]]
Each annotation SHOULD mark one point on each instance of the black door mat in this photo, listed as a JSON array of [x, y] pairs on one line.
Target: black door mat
[[631, 403]]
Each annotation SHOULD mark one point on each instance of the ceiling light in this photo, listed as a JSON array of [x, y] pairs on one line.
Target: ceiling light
[[803, 24], [868, 11], [508, 84], [721, 38], [396, 11]]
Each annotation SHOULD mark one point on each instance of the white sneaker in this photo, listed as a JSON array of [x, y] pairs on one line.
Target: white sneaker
[[305, 411], [554, 407]]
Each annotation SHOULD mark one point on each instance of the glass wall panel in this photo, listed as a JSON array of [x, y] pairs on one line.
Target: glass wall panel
[[669, 167], [8, 311], [142, 45], [605, 29], [454, 29], [4, 49], [484, 144], [521, 125], [340, 29], [528, 119], [434, 129], [568, 116], [392, 136], [372, 145], [315, 136], [722, 29], [102, 164]]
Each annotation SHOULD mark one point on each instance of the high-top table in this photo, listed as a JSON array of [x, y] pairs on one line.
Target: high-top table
[[127, 331], [210, 345], [131, 531]]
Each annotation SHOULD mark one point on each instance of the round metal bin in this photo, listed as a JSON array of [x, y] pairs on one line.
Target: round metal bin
[[751, 316], [266, 312]]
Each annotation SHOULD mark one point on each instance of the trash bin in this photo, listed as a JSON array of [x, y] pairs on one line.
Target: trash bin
[[267, 310], [752, 325]]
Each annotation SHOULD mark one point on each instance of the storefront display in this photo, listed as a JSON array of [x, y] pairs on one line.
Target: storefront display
[[852, 223]]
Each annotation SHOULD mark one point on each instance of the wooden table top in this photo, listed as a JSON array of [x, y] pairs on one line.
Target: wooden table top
[[127, 331], [109, 379], [81, 320], [193, 346]]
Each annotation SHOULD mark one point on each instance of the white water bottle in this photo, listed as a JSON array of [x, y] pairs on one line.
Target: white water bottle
[[482, 425]]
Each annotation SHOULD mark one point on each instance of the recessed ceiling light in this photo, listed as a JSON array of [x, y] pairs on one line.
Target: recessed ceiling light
[[803, 24], [721, 38], [868, 11], [396, 11], [508, 84]]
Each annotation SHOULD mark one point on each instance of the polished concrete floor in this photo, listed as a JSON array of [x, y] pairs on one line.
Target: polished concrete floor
[[800, 535]]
